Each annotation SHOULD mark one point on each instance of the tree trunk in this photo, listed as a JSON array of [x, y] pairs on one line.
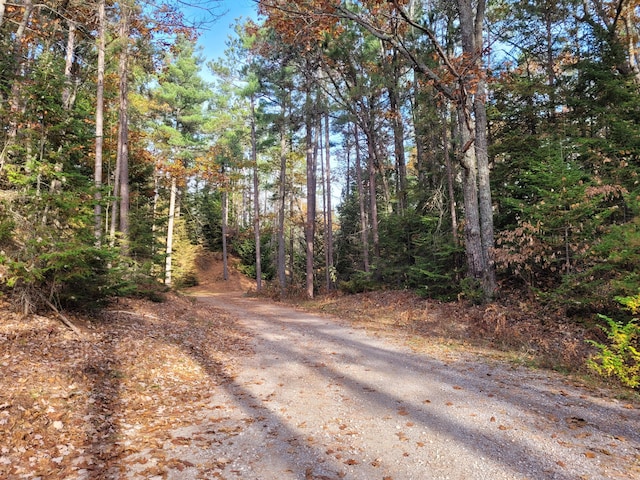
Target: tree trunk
[[310, 229], [3, 5], [68, 94], [225, 230], [373, 197], [113, 223], [476, 146], [418, 130], [364, 230], [123, 125], [170, 225], [398, 137], [329, 245], [256, 199], [14, 96], [631, 30], [468, 160], [282, 192], [450, 179], [323, 180], [154, 210], [484, 191], [97, 171]]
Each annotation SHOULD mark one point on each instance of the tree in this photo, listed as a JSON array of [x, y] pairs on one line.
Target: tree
[[179, 101], [120, 205], [460, 79], [101, 46]]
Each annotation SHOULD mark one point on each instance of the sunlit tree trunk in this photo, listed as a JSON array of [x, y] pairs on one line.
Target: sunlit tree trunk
[[310, 229], [14, 96], [120, 205], [282, 192], [170, 226], [256, 199], [123, 124], [68, 94], [364, 230], [3, 5], [329, 208], [225, 231], [97, 170], [631, 31]]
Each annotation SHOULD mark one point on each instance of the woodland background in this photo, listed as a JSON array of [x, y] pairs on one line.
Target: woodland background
[[463, 150]]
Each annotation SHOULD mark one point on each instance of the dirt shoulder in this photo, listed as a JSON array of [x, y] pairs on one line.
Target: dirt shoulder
[[77, 406]]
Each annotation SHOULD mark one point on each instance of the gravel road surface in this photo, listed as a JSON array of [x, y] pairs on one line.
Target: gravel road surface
[[321, 400]]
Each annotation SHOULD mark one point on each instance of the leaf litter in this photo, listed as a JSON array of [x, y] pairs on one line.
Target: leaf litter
[[77, 406]]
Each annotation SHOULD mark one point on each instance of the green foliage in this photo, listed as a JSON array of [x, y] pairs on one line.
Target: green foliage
[[619, 358], [613, 271], [359, 282], [348, 248], [44, 268], [185, 253], [245, 247], [204, 208], [416, 253], [471, 290]]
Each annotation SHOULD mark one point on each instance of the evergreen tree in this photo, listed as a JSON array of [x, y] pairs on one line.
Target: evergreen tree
[[177, 132]]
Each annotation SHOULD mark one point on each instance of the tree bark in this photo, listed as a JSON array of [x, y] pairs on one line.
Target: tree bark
[[68, 94], [97, 170], [631, 30], [170, 227], [282, 192], [398, 137], [472, 44], [256, 199], [225, 231], [123, 124], [373, 196], [329, 245], [310, 229], [450, 179], [3, 5], [364, 230]]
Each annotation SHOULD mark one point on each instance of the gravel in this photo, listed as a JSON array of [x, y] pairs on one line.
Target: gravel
[[321, 400]]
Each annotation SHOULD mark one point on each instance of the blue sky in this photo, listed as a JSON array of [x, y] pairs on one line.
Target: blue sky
[[214, 37]]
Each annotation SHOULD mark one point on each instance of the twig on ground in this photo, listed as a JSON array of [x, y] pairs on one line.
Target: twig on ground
[[64, 319]]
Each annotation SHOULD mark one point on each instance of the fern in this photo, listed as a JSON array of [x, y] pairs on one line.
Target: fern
[[621, 357]]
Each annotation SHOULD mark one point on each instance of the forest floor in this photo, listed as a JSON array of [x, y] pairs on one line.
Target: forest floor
[[217, 384]]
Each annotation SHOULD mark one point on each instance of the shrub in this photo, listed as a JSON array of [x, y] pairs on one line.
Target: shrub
[[621, 357]]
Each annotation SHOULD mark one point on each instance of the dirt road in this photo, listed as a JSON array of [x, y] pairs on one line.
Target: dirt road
[[320, 400]]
